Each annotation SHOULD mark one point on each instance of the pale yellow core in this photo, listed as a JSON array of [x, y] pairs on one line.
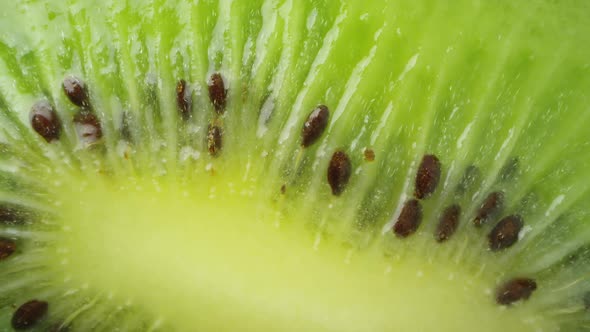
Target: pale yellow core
[[211, 254]]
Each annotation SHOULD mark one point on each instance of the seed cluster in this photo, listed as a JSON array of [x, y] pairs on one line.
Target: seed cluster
[[86, 122], [46, 122], [217, 96], [426, 182]]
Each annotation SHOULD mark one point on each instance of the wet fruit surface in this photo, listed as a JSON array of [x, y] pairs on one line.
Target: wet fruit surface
[[294, 166]]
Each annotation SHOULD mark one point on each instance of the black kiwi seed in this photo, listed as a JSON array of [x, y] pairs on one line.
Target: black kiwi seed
[[447, 225], [45, 121], [88, 126], [339, 171], [409, 219], [28, 314], [515, 290], [7, 248], [214, 140], [314, 126], [427, 177], [489, 208], [505, 233], [75, 90], [217, 92], [183, 99]]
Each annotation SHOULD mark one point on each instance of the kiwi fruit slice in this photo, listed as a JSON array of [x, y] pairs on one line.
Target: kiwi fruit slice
[[281, 165]]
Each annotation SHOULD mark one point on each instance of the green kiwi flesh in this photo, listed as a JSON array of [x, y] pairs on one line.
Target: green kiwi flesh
[[282, 165]]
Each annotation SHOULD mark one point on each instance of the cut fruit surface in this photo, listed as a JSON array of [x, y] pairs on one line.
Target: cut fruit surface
[[295, 166]]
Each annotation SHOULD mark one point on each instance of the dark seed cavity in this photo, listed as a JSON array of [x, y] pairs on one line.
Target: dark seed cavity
[[515, 290], [7, 248], [315, 125], [28, 314], [505, 234], [489, 208], [447, 225], [126, 127], [283, 189], [45, 121], [369, 155], [427, 177], [184, 99], [214, 140], [12, 214], [409, 219], [510, 170], [339, 171], [470, 176], [88, 127], [217, 92], [75, 90], [586, 300]]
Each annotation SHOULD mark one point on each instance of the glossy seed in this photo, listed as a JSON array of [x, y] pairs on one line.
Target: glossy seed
[[314, 126], [369, 155], [88, 127], [505, 234], [284, 189], [339, 171], [45, 121], [217, 92], [75, 90], [447, 225], [489, 208], [515, 290], [28, 314], [183, 99], [409, 219], [7, 248], [214, 140], [427, 177]]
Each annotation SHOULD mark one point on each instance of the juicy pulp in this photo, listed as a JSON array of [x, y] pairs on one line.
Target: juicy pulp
[[153, 233]]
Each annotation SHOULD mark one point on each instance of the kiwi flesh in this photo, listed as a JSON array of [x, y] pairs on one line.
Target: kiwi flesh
[[294, 165]]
